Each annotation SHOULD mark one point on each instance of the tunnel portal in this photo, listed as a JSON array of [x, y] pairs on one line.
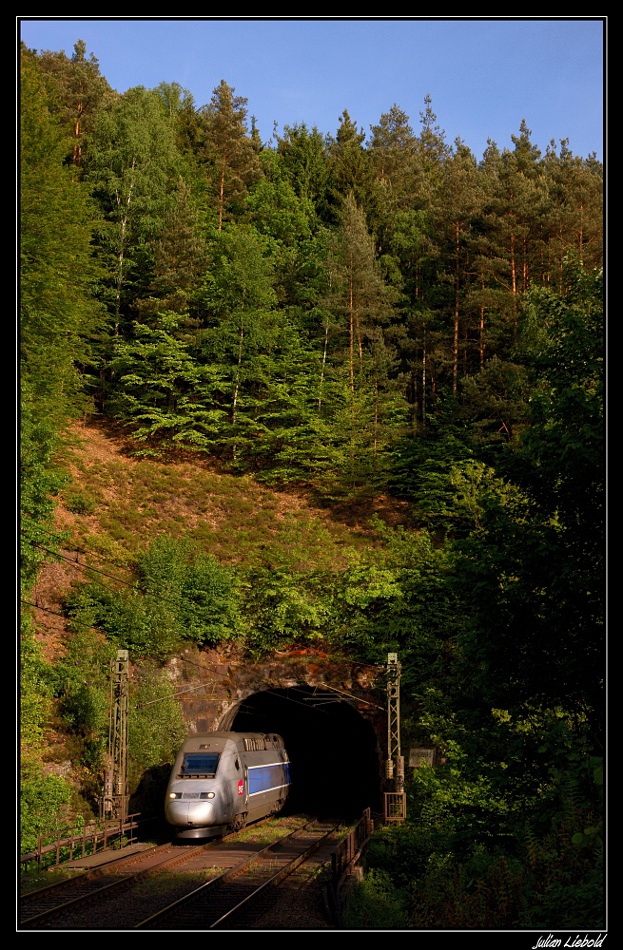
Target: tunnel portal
[[331, 713], [333, 749]]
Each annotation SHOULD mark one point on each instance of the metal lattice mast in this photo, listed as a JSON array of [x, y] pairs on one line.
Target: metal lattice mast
[[395, 760], [115, 798]]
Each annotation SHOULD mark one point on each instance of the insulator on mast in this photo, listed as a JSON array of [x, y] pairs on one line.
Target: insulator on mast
[[400, 773]]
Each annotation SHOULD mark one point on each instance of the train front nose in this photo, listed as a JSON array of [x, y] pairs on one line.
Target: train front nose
[[182, 813]]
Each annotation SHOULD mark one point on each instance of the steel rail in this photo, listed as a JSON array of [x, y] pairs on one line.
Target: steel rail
[[276, 878], [250, 864], [85, 896]]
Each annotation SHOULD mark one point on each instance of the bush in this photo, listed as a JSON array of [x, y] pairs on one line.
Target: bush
[[34, 690], [44, 805], [376, 904], [158, 727], [564, 879], [401, 851], [181, 595], [81, 683]]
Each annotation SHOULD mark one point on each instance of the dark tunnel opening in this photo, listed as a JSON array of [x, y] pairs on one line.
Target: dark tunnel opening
[[335, 764]]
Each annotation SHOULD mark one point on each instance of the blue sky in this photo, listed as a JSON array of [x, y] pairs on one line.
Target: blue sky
[[484, 75]]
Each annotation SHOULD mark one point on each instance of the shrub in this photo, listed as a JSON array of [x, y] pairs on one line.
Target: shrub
[[157, 724], [376, 904], [44, 804], [481, 893]]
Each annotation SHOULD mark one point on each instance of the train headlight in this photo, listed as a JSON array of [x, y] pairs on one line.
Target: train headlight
[[174, 795], [205, 795]]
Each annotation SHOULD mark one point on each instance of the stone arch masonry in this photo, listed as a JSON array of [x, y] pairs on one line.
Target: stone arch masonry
[[210, 684], [331, 711]]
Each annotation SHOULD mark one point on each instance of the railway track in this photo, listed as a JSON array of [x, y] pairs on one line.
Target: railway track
[[227, 902], [176, 885], [47, 906]]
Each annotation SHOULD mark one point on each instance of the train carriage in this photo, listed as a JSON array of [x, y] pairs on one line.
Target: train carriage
[[221, 781]]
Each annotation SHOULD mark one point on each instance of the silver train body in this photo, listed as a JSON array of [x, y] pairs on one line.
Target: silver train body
[[221, 781]]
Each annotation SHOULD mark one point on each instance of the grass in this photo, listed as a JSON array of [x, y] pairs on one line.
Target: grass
[[116, 505], [37, 879], [270, 830]]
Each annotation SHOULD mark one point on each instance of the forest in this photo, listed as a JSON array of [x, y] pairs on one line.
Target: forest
[[351, 317]]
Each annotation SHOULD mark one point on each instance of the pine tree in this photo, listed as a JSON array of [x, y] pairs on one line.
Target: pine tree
[[575, 222], [350, 169], [228, 152], [432, 143], [79, 92], [238, 298], [179, 259], [519, 211], [457, 205], [395, 156], [361, 304], [164, 391], [304, 160]]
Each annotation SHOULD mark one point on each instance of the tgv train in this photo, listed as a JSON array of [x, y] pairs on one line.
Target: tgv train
[[221, 781]]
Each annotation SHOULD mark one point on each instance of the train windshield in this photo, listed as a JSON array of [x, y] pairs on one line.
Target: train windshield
[[200, 763]]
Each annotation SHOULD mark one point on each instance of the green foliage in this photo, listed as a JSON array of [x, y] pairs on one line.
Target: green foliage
[[57, 313], [480, 850], [401, 851], [77, 93], [122, 617], [44, 805], [495, 403], [80, 680], [305, 166], [467, 808], [421, 473], [283, 608], [41, 479], [132, 169], [396, 597], [79, 502], [563, 344], [564, 880], [35, 694], [181, 595], [189, 592], [376, 904], [483, 893], [227, 151], [276, 208], [549, 884], [158, 728]]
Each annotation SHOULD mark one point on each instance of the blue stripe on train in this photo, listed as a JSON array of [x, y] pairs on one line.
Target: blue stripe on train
[[262, 778]]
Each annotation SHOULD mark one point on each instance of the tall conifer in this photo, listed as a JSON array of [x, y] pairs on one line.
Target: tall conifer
[[229, 153]]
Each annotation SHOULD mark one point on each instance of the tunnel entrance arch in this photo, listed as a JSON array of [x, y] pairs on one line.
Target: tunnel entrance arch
[[331, 712], [335, 759]]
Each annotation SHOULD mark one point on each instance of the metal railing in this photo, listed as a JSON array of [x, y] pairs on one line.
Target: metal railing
[[344, 859], [60, 846], [349, 849]]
